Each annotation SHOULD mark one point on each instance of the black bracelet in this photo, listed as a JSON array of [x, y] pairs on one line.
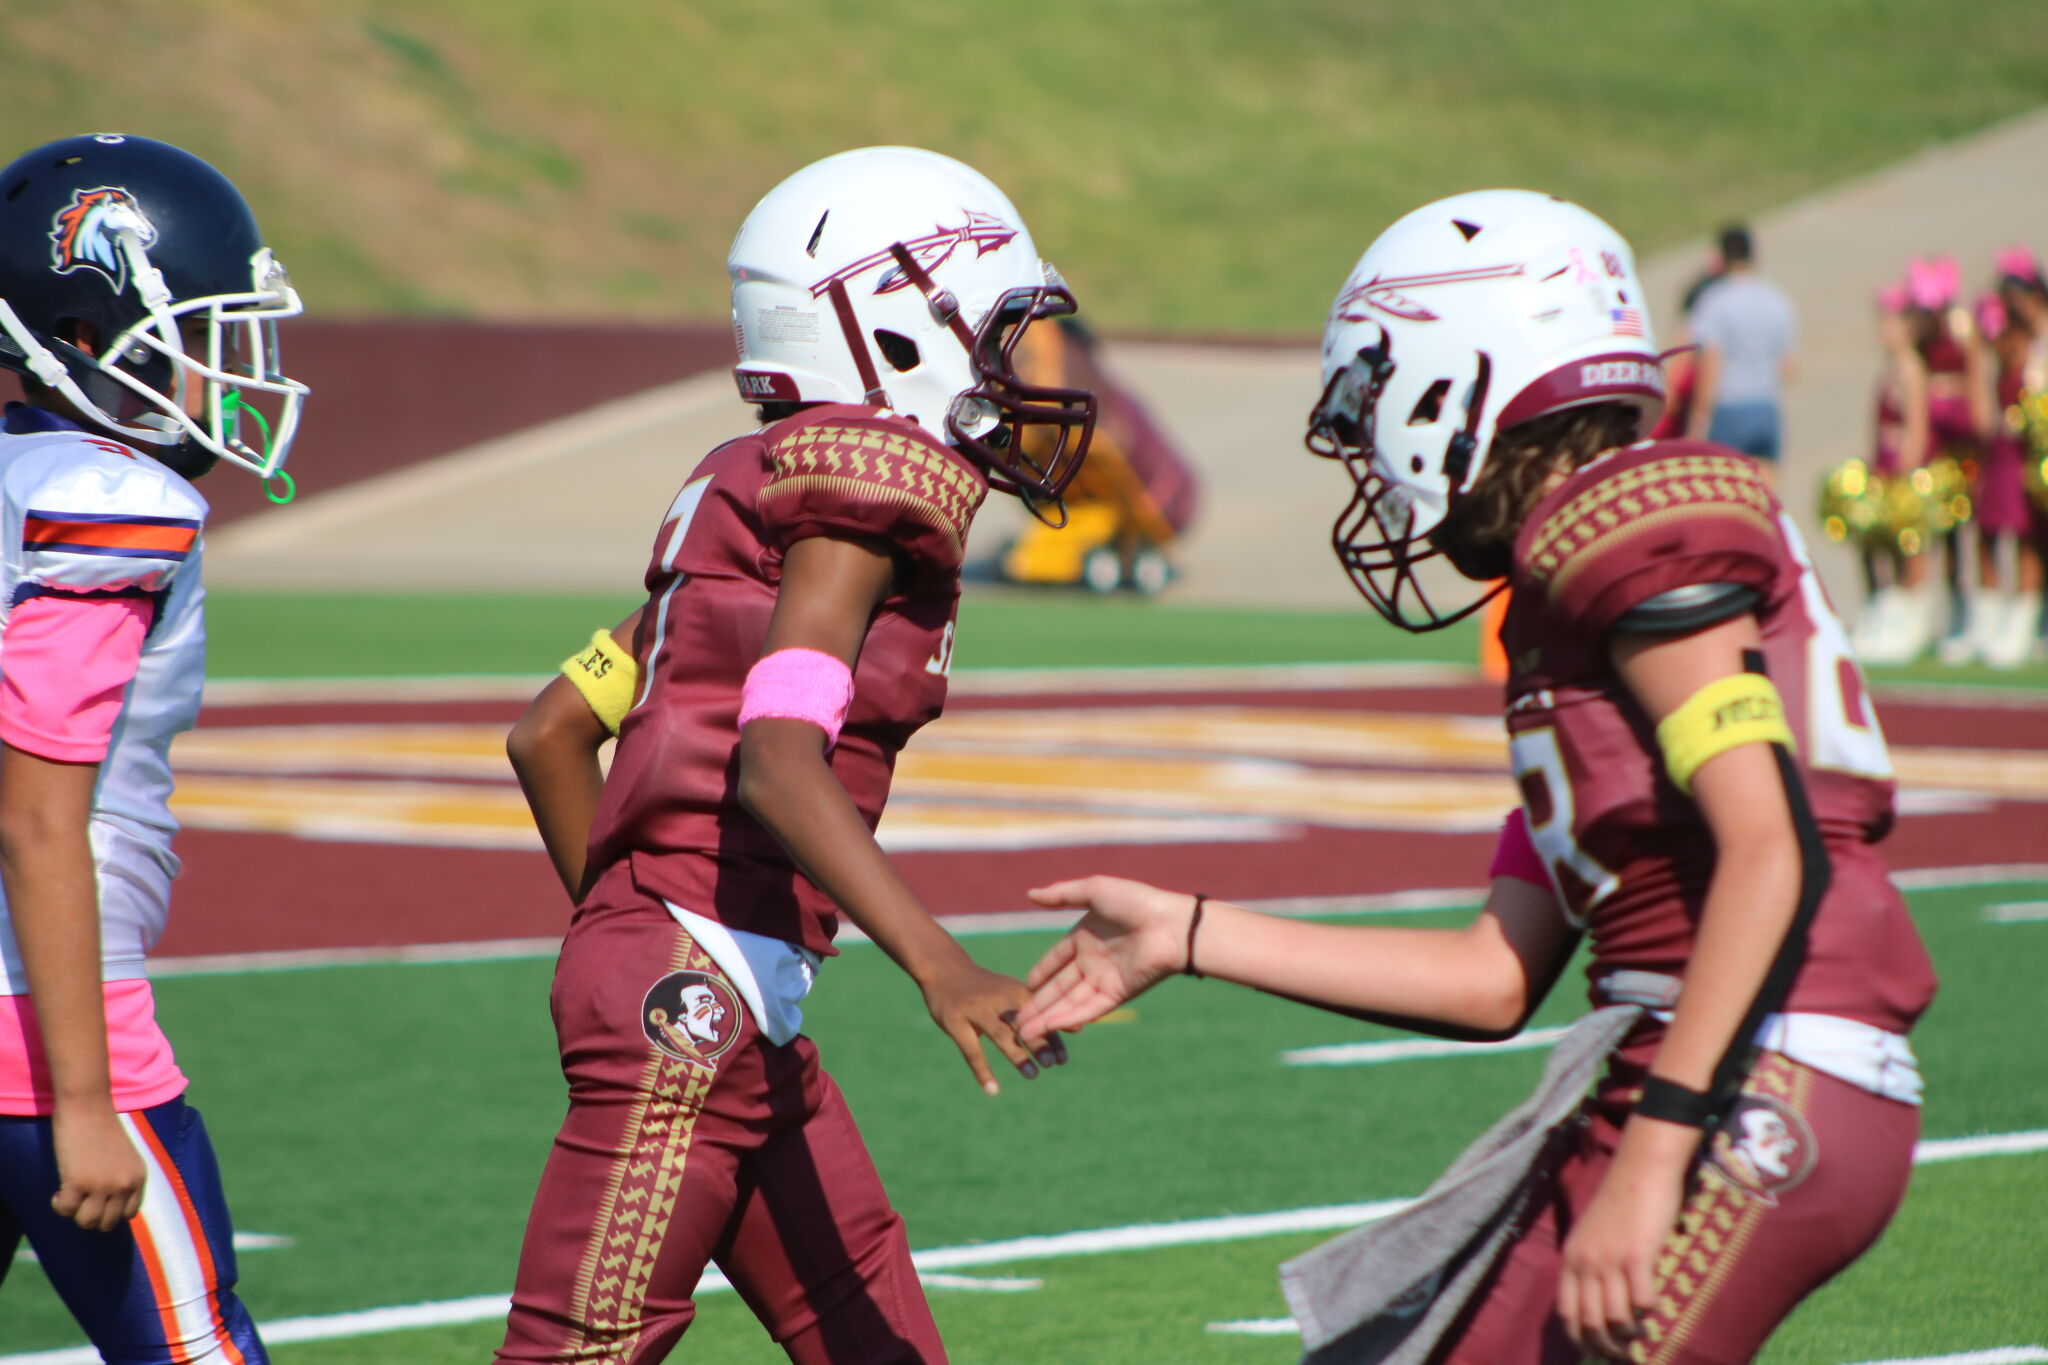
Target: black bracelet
[[1194, 923], [1674, 1103]]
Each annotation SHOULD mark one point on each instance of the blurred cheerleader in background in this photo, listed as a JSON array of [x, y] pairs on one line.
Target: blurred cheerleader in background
[[2006, 626], [1934, 404], [1893, 626]]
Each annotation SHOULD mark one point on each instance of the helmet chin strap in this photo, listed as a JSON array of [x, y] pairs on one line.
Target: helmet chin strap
[[1464, 447], [871, 381], [41, 362]]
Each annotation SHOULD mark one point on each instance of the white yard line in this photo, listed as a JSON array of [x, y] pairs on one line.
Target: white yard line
[[1997, 1355], [1257, 1327], [966, 682], [971, 926], [1416, 902], [1410, 1049], [960, 926], [1972, 696], [1055, 1246], [2016, 912], [244, 1241], [1980, 874], [1930, 1151], [1001, 682]]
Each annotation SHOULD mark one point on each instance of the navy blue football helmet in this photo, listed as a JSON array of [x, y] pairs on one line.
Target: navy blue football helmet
[[131, 272]]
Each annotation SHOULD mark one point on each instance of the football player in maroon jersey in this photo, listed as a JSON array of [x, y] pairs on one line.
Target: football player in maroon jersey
[[1703, 784], [798, 630]]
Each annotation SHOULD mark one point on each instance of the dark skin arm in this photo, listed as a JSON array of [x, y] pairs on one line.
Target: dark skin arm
[[830, 590], [554, 751], [46, 864]]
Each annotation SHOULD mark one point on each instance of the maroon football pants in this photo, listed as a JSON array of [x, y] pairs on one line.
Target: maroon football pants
[[692, 1139], [1797, 1185]]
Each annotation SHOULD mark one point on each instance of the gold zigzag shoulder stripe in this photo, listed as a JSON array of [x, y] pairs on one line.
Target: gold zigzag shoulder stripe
[[1677, 488], [891, 468]]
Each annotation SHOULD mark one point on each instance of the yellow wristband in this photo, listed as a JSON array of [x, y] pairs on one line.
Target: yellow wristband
[[607, 675], [1723, 715]]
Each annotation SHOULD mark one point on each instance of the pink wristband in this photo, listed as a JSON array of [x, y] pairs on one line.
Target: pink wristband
[[1515, 855], [799, 684]]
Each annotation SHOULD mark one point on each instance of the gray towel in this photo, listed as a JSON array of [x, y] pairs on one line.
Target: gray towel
[[1359, 1297]]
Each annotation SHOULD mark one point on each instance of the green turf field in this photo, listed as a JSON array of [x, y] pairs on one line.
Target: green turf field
[[259, 634], [1196, 165], [394, 1121], [308, 634]]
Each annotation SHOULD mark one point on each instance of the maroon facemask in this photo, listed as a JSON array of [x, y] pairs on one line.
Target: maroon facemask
[[1041, 432], [1373, 535]]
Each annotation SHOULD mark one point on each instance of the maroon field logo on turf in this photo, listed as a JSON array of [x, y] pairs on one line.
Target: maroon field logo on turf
[[1765, 1147], [693, 1016]]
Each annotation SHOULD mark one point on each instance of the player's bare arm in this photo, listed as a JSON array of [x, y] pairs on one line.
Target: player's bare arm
[[1609, 1258], [830, 588], [47, 866], [554, 751], [1478, 982]]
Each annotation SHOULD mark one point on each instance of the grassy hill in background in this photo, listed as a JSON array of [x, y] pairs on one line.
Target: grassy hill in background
[[1199, 165]]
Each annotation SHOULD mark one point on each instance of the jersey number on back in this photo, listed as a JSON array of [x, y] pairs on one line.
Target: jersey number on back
[[1842, 733], [677, 524], [1581, 881]]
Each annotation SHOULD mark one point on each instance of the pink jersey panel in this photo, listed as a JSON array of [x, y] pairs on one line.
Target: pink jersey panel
[[1515, 855], [143, 1070], [65, 663]]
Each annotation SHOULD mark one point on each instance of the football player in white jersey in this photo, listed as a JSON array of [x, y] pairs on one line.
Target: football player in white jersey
[[139, 304]]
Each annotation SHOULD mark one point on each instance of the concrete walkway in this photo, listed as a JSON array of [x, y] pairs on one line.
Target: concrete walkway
[[573, 505]]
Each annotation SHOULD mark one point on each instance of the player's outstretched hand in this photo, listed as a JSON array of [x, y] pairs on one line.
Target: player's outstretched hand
[[99, 1173], [971, 1003], [1132, 937]]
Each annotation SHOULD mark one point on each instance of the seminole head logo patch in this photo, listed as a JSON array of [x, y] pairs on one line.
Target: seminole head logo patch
[[86, 233], [693, 1016], [1765, 1147]]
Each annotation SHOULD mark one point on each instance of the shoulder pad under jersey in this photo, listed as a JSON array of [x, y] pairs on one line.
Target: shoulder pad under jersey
[[873, 476], [1655, 517], [1688, 608], [98, 517]]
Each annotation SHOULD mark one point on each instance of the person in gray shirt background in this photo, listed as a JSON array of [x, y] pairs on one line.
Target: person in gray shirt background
[[1744, 326]]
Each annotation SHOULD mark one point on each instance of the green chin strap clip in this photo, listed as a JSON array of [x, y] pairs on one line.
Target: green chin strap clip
[[232, 410]]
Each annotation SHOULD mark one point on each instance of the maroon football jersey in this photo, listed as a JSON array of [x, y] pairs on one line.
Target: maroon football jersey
[[670, 803], [1629, 852]]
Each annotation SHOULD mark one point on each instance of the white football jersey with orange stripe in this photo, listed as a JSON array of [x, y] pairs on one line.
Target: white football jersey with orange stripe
[[86, 515]]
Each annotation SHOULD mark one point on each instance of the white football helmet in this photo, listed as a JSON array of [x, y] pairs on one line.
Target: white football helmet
[[904, 279], [1468, 316]]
